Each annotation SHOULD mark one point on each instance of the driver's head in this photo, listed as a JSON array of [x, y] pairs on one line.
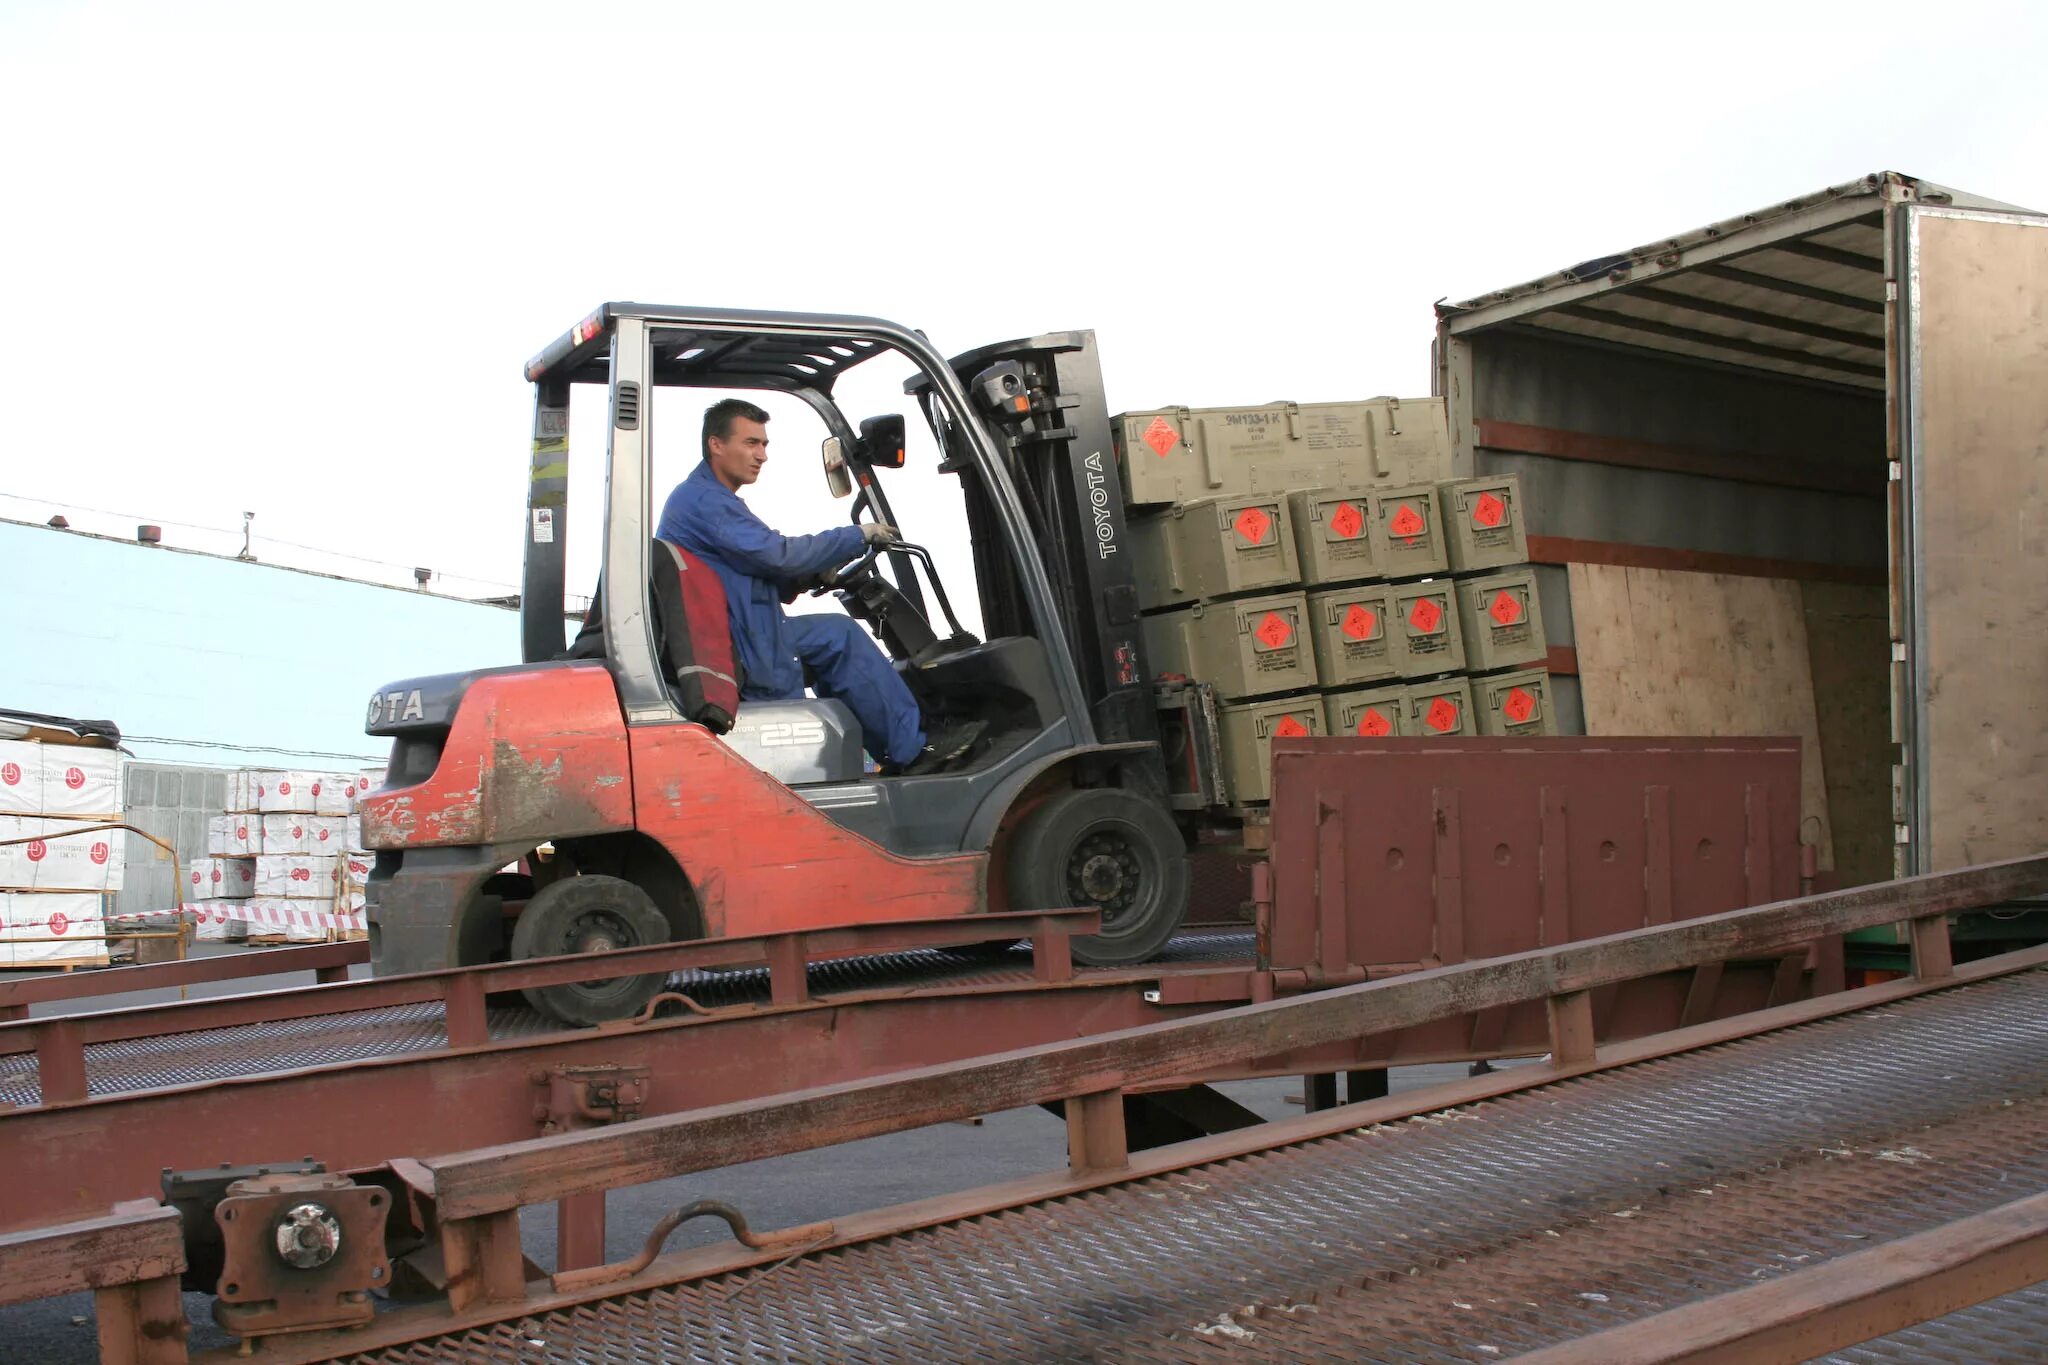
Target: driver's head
[[735, 441]]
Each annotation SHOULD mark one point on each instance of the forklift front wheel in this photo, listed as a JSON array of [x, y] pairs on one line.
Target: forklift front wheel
[[592, 914], [1110, 849]]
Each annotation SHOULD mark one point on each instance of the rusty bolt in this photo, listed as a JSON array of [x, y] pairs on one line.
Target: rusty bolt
[[308, 1236]]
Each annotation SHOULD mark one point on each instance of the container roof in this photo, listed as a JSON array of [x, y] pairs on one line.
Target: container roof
[[1797, 288]]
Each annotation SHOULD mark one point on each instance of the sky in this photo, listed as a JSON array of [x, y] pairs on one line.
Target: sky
[[290, 260]]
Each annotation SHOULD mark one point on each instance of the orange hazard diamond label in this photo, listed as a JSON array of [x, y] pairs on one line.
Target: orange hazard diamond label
[[1426, 616], [1347, 521], [1506, 608], [1407, 523], [1518, 706], [1489, 511], [1290, 727], [1373, 722], [1253, 525], [1360, 622], [1442, 716], [1275, 631], [1161, 436]]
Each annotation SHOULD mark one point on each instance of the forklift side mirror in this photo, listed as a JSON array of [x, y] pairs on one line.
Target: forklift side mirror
[[838, 477], [881, 441]]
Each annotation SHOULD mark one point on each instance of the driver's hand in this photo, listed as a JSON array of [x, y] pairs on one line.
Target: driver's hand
[[878, 533]]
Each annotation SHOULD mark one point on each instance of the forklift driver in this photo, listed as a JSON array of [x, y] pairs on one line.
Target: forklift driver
[[762, 569]]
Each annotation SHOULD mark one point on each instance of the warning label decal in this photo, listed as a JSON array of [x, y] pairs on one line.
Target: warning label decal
[[1274, 631], [1407, 523], [1518, 706], [1506, 608], [1442, 716], [1373, 722], [1347, 521], [1489, 511], [1426, 616], [1290, 727], [1360, 622], [1161, 437], [1253, 525]]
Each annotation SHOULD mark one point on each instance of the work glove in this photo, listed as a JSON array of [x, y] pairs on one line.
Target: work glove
[[878, 533]]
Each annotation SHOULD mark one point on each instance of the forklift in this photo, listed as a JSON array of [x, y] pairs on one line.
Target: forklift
[[590, 799]]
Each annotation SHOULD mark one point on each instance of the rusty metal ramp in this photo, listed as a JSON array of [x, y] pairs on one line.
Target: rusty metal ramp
[[1475, 1233], [287, 1044]]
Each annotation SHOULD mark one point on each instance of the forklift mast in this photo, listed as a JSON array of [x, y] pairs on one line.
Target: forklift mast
[[1043, 401]]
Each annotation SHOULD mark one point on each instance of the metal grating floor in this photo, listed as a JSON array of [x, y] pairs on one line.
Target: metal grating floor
[[1471, 1234], [329, 1039]]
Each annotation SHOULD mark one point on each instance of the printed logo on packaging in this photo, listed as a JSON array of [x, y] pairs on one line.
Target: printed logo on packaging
[[59, 922], [100, 853], [73, 778], [10, 773], [37, 850]]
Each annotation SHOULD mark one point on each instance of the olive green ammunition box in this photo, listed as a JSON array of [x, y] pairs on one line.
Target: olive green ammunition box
[[1217, 547], [1374, 712], [1482, 521], [1333, 535], [1443, 707], [1252, 647], [1248, 735], [1427, 639], [1514, 703], [1171, 455], [1502, 621], [1407, 532], [1354, 632]]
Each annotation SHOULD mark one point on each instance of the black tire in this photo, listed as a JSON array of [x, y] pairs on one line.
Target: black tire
[[589, 915], [1104, 847]]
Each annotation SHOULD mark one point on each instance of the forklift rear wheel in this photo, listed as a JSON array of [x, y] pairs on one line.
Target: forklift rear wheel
[[591, 914], [1105, 848]]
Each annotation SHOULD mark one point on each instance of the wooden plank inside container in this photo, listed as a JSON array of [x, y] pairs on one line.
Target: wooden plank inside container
[[1663, 652], [1848, 638]]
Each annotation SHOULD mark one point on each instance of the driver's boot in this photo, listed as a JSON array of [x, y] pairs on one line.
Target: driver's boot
[[947, 745]]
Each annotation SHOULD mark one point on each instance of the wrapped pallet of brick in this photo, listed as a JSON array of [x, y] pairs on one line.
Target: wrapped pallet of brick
[[1214, 547], [234, 835], [214, 888], [1174, 455], [326, 834], [295, 898], [59, 869], [287, 791]]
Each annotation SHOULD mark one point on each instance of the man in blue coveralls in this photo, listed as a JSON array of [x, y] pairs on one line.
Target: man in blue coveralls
[[762, 568]]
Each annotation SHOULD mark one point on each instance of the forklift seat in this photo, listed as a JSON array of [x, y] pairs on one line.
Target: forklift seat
[[692, 636]]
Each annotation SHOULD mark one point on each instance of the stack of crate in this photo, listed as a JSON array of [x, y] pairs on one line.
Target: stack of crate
[[276, 870], [57, 863], [1317, 567]]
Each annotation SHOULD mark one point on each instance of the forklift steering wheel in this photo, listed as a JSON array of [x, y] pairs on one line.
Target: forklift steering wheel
[[832, 579]]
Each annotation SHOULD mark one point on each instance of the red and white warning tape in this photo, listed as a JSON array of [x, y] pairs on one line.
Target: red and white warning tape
[[255, 911]]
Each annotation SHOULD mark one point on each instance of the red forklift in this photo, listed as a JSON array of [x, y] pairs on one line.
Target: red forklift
[[638, 813]]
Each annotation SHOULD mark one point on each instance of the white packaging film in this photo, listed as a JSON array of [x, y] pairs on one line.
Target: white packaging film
[[281, 834], [289, 790], [326, 833], [68, 926], [60, 855], [59, 779], [220, 879], [297, 876]]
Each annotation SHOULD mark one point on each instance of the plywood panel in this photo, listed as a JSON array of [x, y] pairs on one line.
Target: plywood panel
[[1669, 653], [1848, 637], [1981, 503]]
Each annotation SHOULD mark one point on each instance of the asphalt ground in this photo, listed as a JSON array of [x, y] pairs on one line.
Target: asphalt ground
[[778, 1192]]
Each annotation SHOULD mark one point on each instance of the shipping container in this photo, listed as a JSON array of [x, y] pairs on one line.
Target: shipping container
[[1782, 475]]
